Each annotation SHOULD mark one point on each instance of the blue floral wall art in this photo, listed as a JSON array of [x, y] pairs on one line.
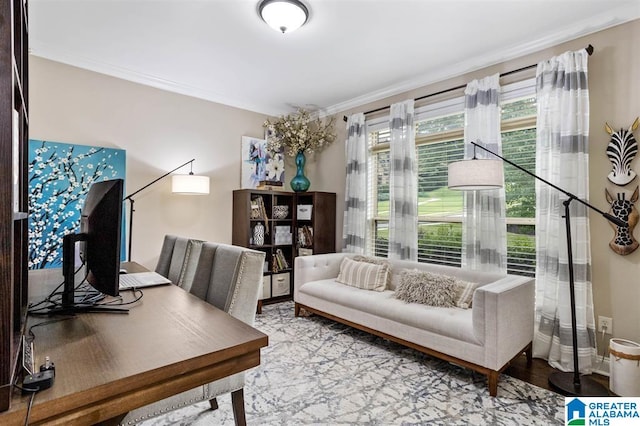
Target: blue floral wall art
[[260, 165], [60, 175]]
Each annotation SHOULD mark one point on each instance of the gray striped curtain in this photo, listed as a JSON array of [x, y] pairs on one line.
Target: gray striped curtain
[[562, 157], [403, 193], [355, 199], [484, 229]]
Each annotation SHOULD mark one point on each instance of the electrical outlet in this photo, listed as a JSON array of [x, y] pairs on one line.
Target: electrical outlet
[[605, 323]]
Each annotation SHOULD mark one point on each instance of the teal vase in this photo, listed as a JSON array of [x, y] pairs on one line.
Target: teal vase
[[300, 183]]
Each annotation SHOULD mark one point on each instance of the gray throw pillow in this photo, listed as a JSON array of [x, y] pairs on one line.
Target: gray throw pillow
[[427, 288]]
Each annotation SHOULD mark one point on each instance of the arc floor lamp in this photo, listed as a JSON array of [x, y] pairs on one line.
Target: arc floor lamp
[[479, 174], [180, 184]]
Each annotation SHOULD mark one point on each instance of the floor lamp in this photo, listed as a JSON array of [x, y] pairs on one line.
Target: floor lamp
[[478, 174], [181, 184]]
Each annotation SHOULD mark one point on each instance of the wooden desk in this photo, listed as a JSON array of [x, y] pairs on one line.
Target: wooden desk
[[109, 364]]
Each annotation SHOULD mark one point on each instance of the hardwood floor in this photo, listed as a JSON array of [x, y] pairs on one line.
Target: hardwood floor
[[538, 373]]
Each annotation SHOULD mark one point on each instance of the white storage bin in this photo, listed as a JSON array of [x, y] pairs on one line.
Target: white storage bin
[[266, 287], [624, 371], [283, 229], [305, 252], [282, 239], [304, 211], [280, 285]]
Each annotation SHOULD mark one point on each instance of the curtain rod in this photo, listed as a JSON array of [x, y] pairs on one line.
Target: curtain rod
[[589, 50]]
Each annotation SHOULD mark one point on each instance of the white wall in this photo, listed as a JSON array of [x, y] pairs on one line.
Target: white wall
[[159, 131]]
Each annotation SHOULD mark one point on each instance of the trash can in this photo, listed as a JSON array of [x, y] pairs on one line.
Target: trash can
[[624, 371]]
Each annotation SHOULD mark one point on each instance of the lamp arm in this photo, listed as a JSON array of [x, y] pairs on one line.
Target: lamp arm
[[131, 201], [609, 217], [128, 197]]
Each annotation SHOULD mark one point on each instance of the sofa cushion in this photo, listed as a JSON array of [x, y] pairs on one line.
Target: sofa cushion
[[364, 275], [426, 288], [453, 322]]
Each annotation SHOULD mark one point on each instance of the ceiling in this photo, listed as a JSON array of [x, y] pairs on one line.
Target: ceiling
[[349, 53]]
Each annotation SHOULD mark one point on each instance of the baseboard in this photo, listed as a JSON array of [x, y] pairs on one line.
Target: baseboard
[[601, 366]]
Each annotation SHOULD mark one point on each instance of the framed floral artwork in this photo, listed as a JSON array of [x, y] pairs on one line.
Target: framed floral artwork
[[260, 165], [60, 175]]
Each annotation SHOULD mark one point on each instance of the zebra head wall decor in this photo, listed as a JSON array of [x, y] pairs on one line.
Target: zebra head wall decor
[[621, 150], [623, 241]]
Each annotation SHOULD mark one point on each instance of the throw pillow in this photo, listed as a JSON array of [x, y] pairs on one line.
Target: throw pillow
[[426, 288], [364, 275], [376, 261], [464, 293]]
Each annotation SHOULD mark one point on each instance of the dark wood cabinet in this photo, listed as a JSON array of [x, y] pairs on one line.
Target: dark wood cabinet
[[264, 220], [283, 225], [315, 223], [14, 135]]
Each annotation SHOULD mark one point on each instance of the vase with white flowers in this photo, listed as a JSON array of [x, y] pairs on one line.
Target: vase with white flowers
[[299, 134]]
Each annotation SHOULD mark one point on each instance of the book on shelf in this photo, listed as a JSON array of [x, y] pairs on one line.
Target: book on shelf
[[279, 261], [305, 236], [269, 184], [258, 209]]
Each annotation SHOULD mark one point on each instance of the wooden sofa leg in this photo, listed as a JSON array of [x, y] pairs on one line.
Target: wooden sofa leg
[[492, 378], [297, 310], [213, 403], [237, 401], [529, 353]]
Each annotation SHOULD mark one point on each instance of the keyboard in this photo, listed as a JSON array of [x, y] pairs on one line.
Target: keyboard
[[141, 280]]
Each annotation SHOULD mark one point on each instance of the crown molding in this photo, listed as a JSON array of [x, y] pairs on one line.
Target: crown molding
[[576, 30], [615, 17], [49, 52]]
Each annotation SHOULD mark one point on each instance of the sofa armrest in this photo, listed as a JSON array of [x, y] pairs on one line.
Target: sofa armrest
[[316, 267], [503, 317]]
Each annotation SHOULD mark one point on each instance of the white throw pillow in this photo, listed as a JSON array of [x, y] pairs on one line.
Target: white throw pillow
[[364, 275], [464, 293], [377, 261]]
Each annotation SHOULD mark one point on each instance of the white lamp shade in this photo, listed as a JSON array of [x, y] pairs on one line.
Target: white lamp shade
[[284, 15], [468, 175], [190, 184]]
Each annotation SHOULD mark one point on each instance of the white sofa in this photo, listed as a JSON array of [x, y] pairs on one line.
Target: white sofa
[[486, 337]]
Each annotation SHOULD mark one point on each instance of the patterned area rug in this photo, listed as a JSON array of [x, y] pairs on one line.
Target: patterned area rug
[[319, 372]]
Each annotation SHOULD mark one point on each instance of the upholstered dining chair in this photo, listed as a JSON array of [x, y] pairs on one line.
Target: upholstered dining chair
[[229, 277], [178, 258]]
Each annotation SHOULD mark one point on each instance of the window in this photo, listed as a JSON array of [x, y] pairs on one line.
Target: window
[[439, 141]]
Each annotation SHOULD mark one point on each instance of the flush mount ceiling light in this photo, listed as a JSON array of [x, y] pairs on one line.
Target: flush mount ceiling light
[[283, 15]]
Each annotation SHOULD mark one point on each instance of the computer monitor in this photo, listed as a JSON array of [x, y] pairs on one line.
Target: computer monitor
[[100, 241]]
